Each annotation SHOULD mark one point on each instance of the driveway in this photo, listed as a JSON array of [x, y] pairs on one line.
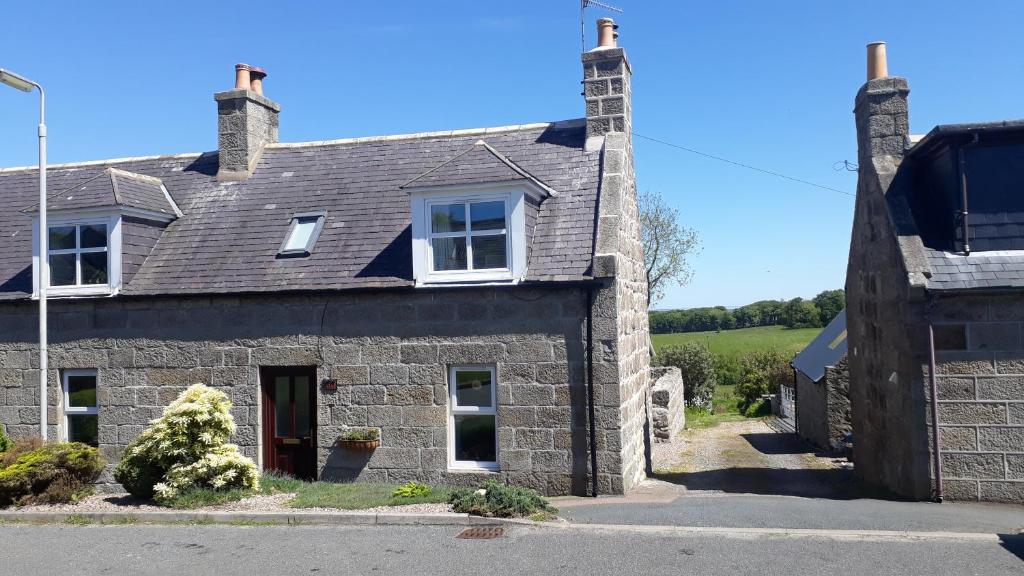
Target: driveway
[[746, 475]]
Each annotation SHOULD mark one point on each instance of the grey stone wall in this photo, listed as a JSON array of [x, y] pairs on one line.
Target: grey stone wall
[[823, 407], [887, 339], [607, 90], [389, 351], [668, 405], [980, 377], [245, 122]]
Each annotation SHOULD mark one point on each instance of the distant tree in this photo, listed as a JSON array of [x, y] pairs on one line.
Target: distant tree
[[830, 303], [761, 372], [800, 313], [667, 245]]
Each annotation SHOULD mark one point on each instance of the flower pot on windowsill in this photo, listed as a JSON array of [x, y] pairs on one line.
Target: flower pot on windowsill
[[359, 445]]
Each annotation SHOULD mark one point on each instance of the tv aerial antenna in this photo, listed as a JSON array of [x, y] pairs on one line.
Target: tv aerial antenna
[[584, 4]]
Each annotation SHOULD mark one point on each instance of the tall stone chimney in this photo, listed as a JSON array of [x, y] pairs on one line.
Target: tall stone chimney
[[606, 86], [246, 121], [881, 110]]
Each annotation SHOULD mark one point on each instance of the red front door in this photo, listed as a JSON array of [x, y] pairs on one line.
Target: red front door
[[289, 421]]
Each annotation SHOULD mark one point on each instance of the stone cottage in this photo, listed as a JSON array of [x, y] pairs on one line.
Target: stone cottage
[[477, 295], [935, 301], [822, 384]]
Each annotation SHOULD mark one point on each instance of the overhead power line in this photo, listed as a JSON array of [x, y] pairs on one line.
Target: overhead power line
[[742, 165]]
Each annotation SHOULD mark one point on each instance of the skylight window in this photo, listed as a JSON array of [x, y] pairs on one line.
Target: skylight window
[[302, 235]]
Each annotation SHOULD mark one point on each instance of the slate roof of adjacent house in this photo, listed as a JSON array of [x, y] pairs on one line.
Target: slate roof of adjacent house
[[229, 233], [112, 187], [827, 349], [996, 231]]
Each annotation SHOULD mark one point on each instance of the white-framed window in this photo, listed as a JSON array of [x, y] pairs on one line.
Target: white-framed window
[[83, 256], [469, 235], [81, 406], [302, 235], [472, 418]]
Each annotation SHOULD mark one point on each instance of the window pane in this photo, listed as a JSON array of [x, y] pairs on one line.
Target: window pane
[[475, 439], [62, 269], [84, 428], [62, 238], [94, 236], [302, 406], [448, 218], [301, 233], [81, 391], [473, 388], [489, 252], [488, 215], [282, 407], [94, 268], [449, 253]]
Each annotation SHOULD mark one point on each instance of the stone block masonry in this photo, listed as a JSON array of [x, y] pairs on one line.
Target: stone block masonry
[[980, 377], [668, 405], [391, 365]]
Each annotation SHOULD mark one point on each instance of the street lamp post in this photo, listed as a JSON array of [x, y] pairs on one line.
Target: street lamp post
[[25, 85]]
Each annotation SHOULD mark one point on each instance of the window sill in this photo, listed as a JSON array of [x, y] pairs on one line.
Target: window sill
[[76, 292], [473, 469]]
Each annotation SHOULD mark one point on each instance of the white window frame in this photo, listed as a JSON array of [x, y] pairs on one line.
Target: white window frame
[[41, 267], [512, 194], [68, 409], [455, 410], [469, 234]]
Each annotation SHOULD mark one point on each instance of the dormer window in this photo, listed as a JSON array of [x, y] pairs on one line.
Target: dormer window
[[302, 235], [469, 218], [469, 236]]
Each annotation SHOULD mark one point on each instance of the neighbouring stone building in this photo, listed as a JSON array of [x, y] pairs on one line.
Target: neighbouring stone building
[[823, 388], [466, 292], [935, 301]]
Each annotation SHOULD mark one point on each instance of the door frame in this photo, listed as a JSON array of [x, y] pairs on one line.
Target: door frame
[[267, 416]]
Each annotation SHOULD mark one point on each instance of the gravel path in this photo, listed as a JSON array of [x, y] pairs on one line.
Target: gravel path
[[750, 457]]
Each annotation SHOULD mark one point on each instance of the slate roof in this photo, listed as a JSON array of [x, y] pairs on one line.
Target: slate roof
[[229, 234], [827, 349], [993, 270], [477, 164], [111, 187]]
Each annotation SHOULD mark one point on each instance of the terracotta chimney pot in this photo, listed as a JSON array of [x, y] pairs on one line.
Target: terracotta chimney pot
[[878, 65], [606, 33], [242, 81], [256, 76]]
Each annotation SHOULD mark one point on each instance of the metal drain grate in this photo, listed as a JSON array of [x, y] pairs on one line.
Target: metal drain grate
[[481, 533]]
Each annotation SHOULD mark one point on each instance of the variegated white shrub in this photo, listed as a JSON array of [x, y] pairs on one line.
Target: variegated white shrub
[[187, 448]]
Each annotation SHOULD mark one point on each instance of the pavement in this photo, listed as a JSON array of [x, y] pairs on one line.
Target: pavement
[[144, 550]]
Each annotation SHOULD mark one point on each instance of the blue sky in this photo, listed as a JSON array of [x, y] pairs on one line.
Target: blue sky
[[766, 83]]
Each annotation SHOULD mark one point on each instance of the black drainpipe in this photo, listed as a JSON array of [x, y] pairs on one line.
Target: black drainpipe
[[935, 413], [590, 391], [964, 217]]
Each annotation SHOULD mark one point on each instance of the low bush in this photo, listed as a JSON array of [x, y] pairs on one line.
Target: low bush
[[59, 472], [763, 371], [185, 449], [412, 490], [499, 500], [697, 366]]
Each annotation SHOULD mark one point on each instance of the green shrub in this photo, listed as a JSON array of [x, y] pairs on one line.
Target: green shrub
[[5, 441], [697, 366], [51, 473], [185, 449], [763, 371], [499, 500], [412, 490]]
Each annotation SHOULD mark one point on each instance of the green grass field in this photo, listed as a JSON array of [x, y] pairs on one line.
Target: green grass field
[[744, 340]]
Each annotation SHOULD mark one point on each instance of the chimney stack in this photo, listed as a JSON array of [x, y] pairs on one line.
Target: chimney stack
[[606, 86], [881, 110], [246, 121]]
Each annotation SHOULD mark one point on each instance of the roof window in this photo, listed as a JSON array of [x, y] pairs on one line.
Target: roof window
[[302, 235]]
